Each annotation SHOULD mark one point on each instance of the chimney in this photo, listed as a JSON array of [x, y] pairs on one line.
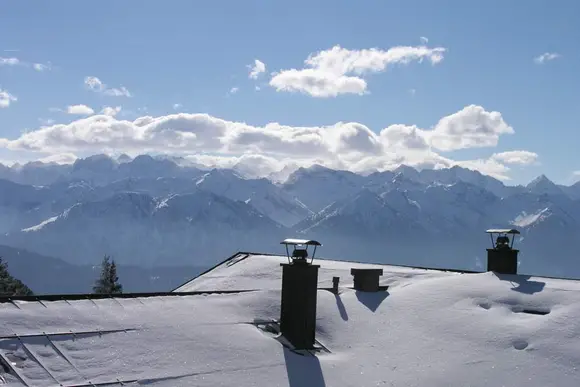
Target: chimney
[[299, 293], [502, 257], [366, 280], [335, 282]]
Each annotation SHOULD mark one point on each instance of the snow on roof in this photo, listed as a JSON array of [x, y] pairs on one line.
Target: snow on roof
[[429, 328], [246, 271]]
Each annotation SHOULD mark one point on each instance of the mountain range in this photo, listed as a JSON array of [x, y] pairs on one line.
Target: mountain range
[[152, 212]]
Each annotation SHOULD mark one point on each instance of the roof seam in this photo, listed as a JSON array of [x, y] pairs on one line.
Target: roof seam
[[61, 354], [31, 356], [11, 369]]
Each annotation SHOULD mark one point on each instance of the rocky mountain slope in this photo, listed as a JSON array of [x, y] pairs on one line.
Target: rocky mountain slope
[[157, 211]]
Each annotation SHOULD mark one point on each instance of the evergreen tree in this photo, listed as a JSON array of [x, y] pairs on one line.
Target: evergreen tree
[[10, 286], [108, 282], [116, 287]]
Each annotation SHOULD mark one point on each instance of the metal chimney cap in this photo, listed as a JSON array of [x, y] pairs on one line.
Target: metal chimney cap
[[294, 242], [300, 254], [502, 237], [502, 231]]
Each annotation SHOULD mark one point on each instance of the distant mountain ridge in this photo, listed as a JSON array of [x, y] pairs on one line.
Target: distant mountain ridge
[[103, 169], [148, 232], [156, 211]]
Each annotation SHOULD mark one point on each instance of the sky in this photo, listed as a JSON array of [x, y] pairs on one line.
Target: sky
[[363, 86]]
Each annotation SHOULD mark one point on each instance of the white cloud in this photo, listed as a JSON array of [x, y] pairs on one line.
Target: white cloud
[[424, 40], [471, 127], [81, 110], [41, 67], [96, 85], [6, 98], [59, 158], [317, 83], [111, 111], [234, 90], [117, 92], [404, 136], [9, 61], [256, 69], [339, 70], [520, 157], [545, 57], [177, 106], [257, 88], [17, 62], [345, 145]]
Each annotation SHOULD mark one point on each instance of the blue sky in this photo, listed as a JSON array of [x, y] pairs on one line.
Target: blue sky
[[194, 53]]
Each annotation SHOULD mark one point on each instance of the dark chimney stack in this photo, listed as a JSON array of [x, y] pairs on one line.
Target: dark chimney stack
[[366, 280], [335, 282], [299, 294], [502, 257]]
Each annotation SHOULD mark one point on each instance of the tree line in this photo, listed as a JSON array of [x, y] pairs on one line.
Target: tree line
[[107, 283]]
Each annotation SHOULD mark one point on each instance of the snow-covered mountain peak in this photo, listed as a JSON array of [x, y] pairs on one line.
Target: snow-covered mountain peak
[[542, 179], [407, 170], [316, 172], [146, 159], [283, 174], [542, 185], [219, 177], [94, 161], [262, 194], [124, 158]]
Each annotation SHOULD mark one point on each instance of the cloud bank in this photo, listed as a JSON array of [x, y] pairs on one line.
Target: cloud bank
[[345, 145]]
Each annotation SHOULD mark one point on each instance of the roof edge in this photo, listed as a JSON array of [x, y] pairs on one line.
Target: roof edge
[[94, 296], [231, 257]]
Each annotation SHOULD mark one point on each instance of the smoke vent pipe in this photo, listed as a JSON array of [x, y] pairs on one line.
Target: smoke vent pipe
[[502, 257], [299, 293]]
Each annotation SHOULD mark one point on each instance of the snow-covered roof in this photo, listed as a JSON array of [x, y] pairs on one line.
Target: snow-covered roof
[[430, 328]]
